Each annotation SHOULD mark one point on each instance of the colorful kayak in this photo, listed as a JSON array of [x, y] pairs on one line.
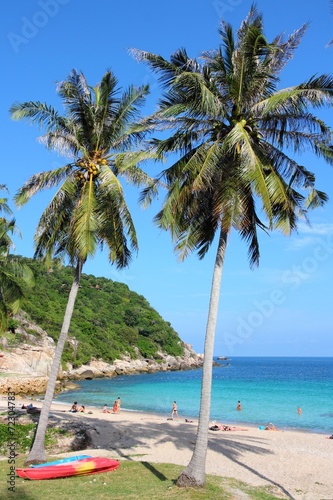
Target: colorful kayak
[[61, 461], [79, 468]]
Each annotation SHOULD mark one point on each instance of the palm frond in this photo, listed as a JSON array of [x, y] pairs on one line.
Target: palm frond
[[54, 227], [167, 70], [84, 222], [38, 182], [4, 207], [37, 113], [127, 112], [283, 52]]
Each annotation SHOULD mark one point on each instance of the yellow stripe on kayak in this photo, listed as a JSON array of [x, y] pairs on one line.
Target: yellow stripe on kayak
[[85, 467]]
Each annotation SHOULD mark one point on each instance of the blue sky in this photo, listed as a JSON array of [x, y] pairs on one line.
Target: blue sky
[[284, 308]]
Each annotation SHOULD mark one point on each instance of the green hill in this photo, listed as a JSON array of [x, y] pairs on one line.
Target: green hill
[[109, 319]]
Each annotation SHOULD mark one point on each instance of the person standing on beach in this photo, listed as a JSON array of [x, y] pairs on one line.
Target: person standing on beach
[[118, 404], [239, 406], [174, 410]]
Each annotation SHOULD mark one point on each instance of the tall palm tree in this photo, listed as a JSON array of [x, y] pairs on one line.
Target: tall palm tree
[[13, 273], [88, 209], [235, 133]]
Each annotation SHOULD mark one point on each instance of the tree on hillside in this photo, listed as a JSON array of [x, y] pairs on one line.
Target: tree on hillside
[[236, 135], [12, 272], [88, 210]]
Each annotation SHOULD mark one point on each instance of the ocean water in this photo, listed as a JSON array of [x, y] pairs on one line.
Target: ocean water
[[270, 390]]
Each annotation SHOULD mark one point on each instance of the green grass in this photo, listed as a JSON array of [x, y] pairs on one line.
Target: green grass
[[131, 481], [24, 434]]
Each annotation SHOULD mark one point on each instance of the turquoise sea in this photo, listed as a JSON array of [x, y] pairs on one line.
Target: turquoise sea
[[270, 390]]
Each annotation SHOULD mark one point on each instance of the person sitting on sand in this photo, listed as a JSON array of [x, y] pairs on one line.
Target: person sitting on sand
[[32, 409], [82, 409], [74, 407], [30, 406], [223, 427], [216, 427], [270, 427], [106, 409]]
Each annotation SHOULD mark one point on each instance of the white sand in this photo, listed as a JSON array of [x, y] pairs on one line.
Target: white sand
[[298, 465]]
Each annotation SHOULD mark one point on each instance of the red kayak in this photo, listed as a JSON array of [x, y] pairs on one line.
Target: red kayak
[[79, 468]]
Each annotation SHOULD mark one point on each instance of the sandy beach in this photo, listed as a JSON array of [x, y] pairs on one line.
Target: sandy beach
[[297, 465]]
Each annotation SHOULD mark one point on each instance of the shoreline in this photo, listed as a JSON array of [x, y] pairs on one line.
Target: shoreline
[[194, 418], [294, 464], [96, 412]]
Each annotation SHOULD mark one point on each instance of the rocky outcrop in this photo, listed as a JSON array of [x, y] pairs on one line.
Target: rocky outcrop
[[126, 365], [33, 356], [28, 364], [27, 360], [23, 386]]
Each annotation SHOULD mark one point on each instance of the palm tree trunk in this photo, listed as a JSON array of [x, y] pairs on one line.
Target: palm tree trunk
[[195, 472], [37, 452]]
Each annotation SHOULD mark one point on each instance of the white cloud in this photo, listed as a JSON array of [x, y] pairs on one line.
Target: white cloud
[[310, 235], [320, 229]]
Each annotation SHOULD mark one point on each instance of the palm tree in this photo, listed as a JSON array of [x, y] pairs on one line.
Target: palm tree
[[88, 209], [13, 273], [235, 133]]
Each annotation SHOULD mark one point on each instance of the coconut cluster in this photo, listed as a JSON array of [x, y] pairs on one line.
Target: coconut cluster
[[89, 167]]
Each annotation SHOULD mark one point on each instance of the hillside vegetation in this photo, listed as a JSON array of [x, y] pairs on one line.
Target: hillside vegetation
[[109, 319]]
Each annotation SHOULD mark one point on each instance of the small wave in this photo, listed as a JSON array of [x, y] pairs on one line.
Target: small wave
[[135, 411]]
